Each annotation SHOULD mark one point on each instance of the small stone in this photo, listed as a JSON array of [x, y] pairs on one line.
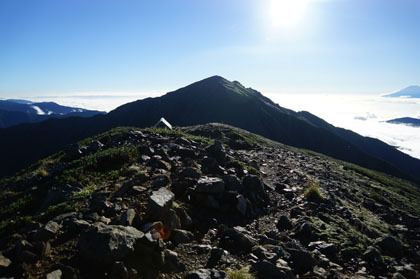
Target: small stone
[[191, 173], [206, 274], [284, 223], [241, 205], [185, 219], [128, 217], [56, 274], [4, 262], [372, 255], [268, 270], [146, 150], [217, 151], [43, 248], [160, 181], [215, 256], [172, 262]]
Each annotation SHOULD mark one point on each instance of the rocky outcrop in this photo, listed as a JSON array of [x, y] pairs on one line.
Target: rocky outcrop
[[182, 206]]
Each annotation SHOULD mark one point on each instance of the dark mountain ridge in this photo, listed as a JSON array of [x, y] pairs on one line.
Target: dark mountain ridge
[[214, 99], [415, 122], [16, 111]]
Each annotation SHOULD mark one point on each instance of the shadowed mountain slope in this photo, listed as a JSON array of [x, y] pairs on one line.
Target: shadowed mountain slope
[[214, 99]]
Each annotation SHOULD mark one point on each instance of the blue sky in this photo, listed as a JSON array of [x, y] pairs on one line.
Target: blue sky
[[336, 46]]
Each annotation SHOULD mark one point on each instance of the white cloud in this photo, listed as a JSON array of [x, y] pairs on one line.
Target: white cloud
[[347, 111]]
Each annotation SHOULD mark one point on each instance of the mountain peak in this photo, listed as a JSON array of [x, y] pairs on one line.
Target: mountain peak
[[412, 91]]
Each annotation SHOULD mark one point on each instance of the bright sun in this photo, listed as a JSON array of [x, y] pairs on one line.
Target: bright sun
[[285, 13]]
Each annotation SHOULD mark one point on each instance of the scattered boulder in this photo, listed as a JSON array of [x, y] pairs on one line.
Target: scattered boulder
[[172, 262], [108, 243], [237, 239], [210, 185], [373, 256], [390, 246], [181, 236], [159, 203], [254, 188], [301, 260], [268, 270], [48, 231], [327, 249]]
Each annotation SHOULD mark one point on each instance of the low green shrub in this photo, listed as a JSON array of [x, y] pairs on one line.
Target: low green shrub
[[312, 193], [242, 273]]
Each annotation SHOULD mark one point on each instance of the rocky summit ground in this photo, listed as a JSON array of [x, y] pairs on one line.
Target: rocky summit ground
[[204, 202]]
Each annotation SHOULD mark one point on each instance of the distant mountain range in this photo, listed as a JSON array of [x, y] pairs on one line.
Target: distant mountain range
[[409, 92], [16, 111], [406, 120], [214, 99]]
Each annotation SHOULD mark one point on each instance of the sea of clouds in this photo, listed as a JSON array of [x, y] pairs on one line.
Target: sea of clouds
[[363, 114]]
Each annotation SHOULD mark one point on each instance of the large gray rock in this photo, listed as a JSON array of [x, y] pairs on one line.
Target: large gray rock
[[211, 185], [108, 243], [160, 202], [206, 274]]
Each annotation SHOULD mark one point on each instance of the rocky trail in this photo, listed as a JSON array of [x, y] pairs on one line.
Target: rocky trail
[[204, 202]]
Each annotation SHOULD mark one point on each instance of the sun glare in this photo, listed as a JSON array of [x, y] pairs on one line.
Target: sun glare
[[286, 13]]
